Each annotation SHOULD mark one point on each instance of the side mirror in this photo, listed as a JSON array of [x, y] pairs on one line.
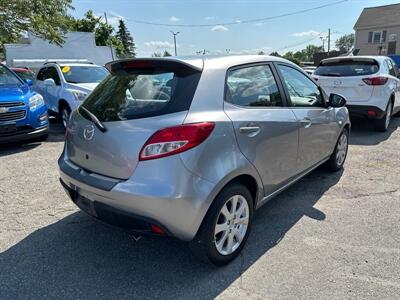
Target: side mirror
[[28, 82], [336, 100], [49, 82]]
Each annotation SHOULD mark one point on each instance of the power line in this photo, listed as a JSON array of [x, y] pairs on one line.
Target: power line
[[239, 22]]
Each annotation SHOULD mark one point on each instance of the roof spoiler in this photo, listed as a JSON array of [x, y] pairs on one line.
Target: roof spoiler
[[152, 64]]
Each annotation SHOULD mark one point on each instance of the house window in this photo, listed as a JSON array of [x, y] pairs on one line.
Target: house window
[[377, 37]]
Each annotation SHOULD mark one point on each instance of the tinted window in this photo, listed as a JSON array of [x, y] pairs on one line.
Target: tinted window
[[52, 73], [83, 74], [42, 74], [303, 92], [146, 93], [391, 68], [25, 74], [347, 68], [253, 86], [8, 78]]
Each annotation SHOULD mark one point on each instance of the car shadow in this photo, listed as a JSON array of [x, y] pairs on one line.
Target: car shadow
[[56, 134], [363, 132], [78, 257]]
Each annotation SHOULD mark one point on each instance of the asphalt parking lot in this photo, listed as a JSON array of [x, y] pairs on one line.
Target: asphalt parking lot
[[330, 236]]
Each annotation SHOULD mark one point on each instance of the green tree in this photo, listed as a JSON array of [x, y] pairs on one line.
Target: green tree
[[166, 53], [261, 52], [345, 42], [310, 51], [128, 45], [87, 24], [275, 54], [290, 56], [46, 19]]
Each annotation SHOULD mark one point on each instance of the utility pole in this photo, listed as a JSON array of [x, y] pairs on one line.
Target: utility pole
[[175, 34], [111, 49], [329, 41]]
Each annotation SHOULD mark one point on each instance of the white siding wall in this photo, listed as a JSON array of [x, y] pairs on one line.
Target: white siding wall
[[372, 49], [78, 45]]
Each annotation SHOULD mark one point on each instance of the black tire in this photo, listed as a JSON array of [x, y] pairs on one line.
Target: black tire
[[333, 164], [203, 245], [383, 124], [64, 111]]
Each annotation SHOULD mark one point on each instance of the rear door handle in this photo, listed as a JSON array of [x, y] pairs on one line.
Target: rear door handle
[[306, 122], [250, 130]]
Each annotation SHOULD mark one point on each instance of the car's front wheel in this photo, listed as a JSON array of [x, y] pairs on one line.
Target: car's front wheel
[[338, 157], [226, 226], [65, 111]]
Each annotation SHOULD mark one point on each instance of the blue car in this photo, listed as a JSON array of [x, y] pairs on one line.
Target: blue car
[[23, 114]]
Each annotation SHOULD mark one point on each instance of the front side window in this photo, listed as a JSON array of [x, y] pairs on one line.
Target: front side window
[[8, 78], [84, 74], [53, 74], [41, 74], [302, 91], [253, 87]]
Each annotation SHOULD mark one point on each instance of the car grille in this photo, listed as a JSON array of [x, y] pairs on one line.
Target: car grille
[[11, 104], [12, 115]]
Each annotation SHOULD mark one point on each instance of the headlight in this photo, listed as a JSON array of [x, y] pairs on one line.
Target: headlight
[[35, 101], [80, 96]]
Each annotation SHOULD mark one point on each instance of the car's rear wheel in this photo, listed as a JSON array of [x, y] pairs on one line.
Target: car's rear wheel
[[65, 111], [338, 157], [383, 124], [226, 226]]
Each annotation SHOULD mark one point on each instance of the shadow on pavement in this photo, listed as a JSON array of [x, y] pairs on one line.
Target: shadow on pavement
[[78, 257], [363, 132], [56, 134]]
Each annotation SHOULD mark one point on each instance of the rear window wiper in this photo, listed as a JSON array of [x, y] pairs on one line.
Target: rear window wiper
[[96, 121], [330, 74]]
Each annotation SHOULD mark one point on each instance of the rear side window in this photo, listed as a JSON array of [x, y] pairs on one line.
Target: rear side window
[[142, 93], [343, 68], [253, 87]]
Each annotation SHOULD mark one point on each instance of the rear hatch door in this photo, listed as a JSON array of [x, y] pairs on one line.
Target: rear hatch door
[[345, 76], [136, 100]]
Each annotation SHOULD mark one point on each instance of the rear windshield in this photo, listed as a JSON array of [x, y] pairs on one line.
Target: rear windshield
[[347, 68], [140, 94]]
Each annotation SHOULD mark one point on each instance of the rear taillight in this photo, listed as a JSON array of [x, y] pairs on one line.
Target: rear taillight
[[379, 80], [173, 140]]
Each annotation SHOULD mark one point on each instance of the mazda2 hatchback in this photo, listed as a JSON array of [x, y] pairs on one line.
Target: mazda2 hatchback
[[191, 147]]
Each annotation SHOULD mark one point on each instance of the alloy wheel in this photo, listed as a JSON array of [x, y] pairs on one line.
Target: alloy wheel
[[232, 224], [341, 149]]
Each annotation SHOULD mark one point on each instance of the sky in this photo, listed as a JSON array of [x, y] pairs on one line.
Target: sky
[[282, 34]]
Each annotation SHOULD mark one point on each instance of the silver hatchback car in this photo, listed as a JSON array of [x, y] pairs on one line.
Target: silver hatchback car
[[191, 147]]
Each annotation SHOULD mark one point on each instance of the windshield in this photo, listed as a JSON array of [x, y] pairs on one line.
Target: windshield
[[143, 94], [84, 74], [7, 77], [347, 68]]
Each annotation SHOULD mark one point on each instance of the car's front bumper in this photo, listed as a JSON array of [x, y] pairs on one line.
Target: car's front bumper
[[24, 133], [174, 201]]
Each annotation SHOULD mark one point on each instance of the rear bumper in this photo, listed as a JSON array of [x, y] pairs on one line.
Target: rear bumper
[[26, 134], [176, 202], [369, 111]]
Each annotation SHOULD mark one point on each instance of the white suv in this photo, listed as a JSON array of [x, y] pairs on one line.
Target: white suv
[[369, 83], [65, 86]]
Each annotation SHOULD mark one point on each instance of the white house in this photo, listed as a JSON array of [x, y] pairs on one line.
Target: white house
[[78, 46]]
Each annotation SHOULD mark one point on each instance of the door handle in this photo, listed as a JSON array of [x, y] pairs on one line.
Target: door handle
[[250, 130], [306, 122]]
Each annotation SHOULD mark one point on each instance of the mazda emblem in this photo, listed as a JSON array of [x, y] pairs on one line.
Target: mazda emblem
[[3, 110], [88, 132]]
